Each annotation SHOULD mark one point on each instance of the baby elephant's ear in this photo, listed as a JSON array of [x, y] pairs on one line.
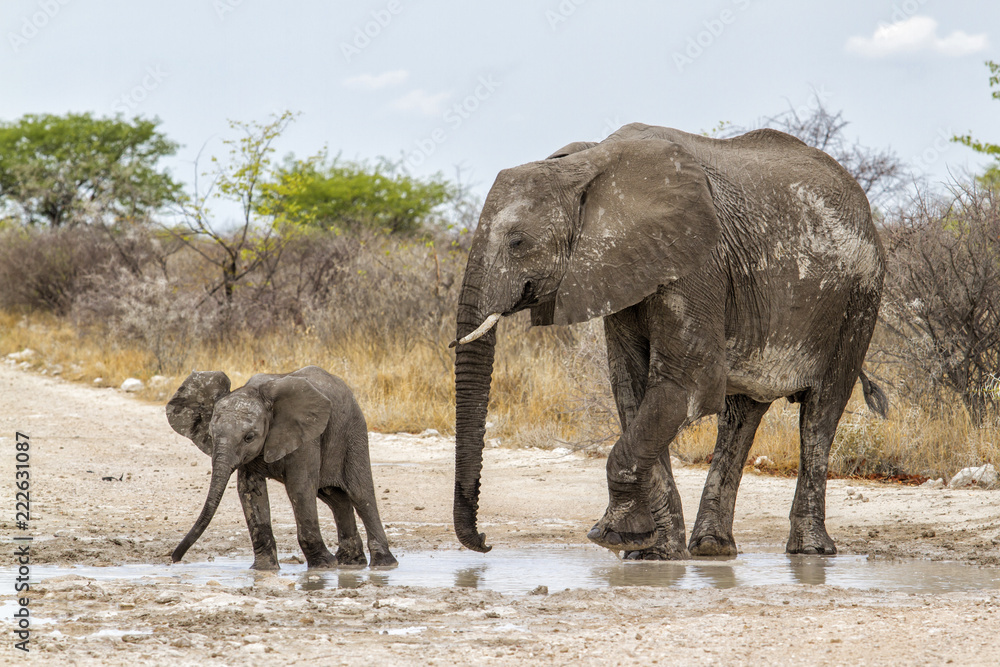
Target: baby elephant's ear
[[190, 410], [299, 414]]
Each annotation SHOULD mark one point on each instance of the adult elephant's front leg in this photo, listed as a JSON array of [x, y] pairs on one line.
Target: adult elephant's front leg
[[251, 485], [628, 524]]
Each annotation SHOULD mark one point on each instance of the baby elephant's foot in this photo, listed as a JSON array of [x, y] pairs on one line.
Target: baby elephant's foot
[[625, 527], [383, 559]]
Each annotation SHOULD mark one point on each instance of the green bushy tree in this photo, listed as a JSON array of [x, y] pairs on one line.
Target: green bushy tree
[[61, 170]]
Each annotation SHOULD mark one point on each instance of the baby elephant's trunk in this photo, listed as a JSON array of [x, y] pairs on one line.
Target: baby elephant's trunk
[[220, 478]]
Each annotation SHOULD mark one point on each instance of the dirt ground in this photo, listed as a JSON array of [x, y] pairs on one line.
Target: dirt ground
[[80, 435]]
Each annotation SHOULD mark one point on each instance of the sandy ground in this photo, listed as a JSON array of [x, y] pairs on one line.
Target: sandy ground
[[80, 435]]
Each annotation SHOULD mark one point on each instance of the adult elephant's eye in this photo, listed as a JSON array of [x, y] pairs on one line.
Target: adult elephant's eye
[[515, 242], [249, 437]]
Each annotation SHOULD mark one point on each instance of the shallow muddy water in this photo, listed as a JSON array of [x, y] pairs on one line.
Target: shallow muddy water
[[522, 570]]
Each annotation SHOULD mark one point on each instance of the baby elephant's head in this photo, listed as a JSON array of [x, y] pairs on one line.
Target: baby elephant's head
[[268, 419]]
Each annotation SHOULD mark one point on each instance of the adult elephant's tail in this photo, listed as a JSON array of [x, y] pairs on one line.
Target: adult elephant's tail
[[876, 399]]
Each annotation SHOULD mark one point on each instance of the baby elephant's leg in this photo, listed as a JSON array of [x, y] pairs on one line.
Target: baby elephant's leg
[[350, 550], [302, 492], [252, 488]]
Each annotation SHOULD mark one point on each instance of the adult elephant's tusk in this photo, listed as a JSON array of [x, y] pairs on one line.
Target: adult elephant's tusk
[[480, 332]]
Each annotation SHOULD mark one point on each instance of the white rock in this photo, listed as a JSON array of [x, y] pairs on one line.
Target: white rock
[[429, 433], [761, 461], [23, 355], [131, 385], [933, 484], [984, 476], [158, 381], [98, 380]]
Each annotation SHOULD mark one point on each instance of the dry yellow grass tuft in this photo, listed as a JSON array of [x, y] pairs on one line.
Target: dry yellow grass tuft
[[549, 389]]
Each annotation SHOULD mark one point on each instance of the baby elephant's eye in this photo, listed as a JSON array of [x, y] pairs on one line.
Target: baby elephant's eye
[[515, 242], [249, 436]]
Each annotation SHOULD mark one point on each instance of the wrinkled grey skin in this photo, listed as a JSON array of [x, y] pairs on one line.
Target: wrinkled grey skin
[[730, 273], [303, 429]]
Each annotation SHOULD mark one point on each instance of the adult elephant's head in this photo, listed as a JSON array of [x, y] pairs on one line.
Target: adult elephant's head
[[588, 232], [271, 420]]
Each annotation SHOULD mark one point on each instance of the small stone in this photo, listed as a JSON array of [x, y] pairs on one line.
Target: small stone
[[429, 433], [984, 476], [158, 381], [131, 385], [23, 355], [492, 614], [98, 380], [928, 533], [540, 590], [933, 484]]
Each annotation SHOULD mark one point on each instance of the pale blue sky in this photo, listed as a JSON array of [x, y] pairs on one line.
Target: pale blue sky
[[527, 77]]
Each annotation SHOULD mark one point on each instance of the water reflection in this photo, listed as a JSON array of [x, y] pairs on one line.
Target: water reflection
[[519, 571], [470, 577], [810, 569]]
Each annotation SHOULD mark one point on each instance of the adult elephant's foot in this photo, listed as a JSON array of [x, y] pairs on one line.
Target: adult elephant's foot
[[321, 561], [809, 537], [657, 553], [265, 564], [383, 560], [712, 545], [350, 553], [628, 526]]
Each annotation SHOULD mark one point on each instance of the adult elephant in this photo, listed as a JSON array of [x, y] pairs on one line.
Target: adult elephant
[[730, 273]]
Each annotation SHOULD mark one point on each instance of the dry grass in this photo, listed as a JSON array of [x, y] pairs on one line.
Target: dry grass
[[549, 389]]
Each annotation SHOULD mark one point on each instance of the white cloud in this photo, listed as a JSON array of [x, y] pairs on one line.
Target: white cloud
[[421, 101], [377, 81], [918, 33]]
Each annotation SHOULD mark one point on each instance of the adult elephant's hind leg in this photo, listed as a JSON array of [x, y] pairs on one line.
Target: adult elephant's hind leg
[[712, 534], [818, 417]]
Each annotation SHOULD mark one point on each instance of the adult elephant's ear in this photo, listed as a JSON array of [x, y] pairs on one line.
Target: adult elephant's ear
[[645, 218], [299, 414], [569, 149], [190, 410]]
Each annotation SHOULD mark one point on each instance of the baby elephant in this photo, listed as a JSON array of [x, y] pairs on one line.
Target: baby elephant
[[303, 429]]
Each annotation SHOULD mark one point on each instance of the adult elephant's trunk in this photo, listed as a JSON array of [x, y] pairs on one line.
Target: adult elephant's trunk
[[222, 470], [473, 371]]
